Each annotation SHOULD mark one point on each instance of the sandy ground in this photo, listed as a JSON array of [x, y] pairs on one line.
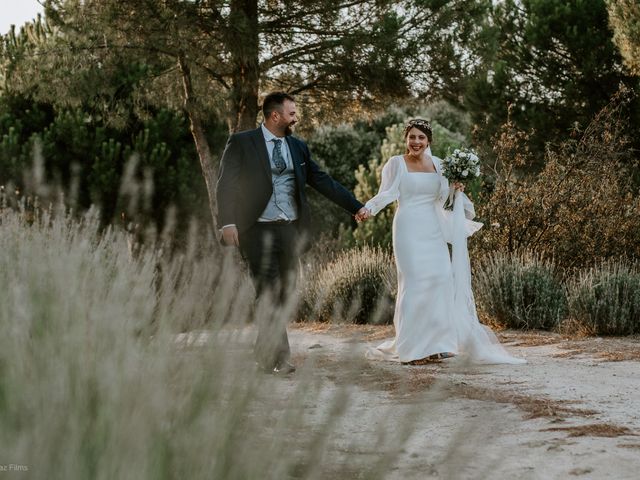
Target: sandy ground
[[572, 411]]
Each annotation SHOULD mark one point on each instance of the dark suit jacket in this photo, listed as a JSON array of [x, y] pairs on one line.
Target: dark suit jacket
[[245, 184]]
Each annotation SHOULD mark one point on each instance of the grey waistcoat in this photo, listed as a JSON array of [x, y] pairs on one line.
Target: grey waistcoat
[[282, 204]]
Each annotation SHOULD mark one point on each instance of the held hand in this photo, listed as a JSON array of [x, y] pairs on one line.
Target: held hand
[[230, 236], [363, 214], [458, 186]]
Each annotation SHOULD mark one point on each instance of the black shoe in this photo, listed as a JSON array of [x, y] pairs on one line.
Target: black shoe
[[283, 368]]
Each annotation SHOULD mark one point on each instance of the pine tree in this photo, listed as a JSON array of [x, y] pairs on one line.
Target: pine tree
[[549, 66]]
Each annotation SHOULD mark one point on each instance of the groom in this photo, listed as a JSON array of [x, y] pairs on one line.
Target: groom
[[263, 210]]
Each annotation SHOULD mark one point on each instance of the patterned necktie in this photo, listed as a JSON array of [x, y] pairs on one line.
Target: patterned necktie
[[278, 159]]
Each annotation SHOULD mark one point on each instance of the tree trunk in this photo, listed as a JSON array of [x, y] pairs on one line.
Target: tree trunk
[[200, 139], [244, 48]]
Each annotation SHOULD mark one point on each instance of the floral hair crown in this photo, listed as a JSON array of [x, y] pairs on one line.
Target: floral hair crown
[[418, 123]]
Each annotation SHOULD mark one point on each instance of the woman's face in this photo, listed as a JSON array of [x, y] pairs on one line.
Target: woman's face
[[417, 142]]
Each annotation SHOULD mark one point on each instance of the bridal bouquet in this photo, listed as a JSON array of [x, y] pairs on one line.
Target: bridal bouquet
[[461, 165]]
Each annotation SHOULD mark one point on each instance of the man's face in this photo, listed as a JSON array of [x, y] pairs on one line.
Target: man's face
[[287, 119]]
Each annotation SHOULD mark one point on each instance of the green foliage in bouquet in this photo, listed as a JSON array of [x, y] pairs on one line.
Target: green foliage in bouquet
[[606, 299], [519, 290], [357, 287]]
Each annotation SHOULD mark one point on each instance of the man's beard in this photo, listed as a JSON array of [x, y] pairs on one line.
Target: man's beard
[[289, 130]]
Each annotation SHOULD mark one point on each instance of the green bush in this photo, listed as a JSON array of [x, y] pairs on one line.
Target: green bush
[[520, 291], [341, 148], [357, 287], [449, 117], [606, 299]]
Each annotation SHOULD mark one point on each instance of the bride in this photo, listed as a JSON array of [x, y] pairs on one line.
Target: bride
[[435, 315]]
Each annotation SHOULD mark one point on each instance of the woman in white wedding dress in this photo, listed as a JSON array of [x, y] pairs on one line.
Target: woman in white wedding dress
[[435, 315]]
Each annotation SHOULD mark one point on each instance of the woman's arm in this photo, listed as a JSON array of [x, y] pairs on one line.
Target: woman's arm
[[389, 186]]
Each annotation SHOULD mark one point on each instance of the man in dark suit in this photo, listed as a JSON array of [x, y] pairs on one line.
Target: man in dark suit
[[263, 210]]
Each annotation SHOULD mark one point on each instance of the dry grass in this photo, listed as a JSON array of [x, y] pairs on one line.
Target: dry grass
[[614, 349], [96, 381], [568, 354], [533, 407], [533, 338], [580, 471], [365, 333], [594, 430], [407, 381], [610, 349], [370, 376]]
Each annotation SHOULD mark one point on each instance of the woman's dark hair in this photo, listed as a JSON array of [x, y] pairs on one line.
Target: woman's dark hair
[[274, 102], [423, 125]]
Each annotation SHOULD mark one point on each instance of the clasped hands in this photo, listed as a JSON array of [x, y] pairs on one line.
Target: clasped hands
[[363, 214]]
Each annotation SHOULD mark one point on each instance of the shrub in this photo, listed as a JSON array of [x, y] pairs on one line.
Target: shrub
[[624, 19], [450, 117], [356, 287], [341, 148], [520, 291], [606, 299], [581, 209]]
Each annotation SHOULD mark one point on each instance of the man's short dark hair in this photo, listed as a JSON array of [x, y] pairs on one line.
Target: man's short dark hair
[[274, 101]]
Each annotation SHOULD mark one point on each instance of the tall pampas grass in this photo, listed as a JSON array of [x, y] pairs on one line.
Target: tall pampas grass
[[121, 365]]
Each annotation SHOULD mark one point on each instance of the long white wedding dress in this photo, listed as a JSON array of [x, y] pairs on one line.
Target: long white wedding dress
[[435, 310]]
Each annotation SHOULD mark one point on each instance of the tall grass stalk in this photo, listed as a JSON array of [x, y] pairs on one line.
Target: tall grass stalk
[[96, 383]]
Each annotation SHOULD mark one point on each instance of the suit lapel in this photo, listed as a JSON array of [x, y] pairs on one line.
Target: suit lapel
[[261, 148]]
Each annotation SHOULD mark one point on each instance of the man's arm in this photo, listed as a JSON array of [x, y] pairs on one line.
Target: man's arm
[[327, 186], [228, 190]]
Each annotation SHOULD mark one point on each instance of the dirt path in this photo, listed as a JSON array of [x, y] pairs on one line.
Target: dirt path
[[572, 412]]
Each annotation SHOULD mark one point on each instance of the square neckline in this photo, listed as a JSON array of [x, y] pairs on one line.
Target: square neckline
[[406, 168]]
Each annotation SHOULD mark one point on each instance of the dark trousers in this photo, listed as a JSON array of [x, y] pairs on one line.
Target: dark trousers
[[270, 251]]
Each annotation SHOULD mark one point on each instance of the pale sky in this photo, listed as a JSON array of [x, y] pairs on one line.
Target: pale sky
[[17, 12]]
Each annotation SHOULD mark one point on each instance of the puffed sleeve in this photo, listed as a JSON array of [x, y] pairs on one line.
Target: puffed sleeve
[[389, 186]]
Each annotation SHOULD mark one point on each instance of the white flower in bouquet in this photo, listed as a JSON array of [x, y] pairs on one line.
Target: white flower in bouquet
[[462, 164]]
